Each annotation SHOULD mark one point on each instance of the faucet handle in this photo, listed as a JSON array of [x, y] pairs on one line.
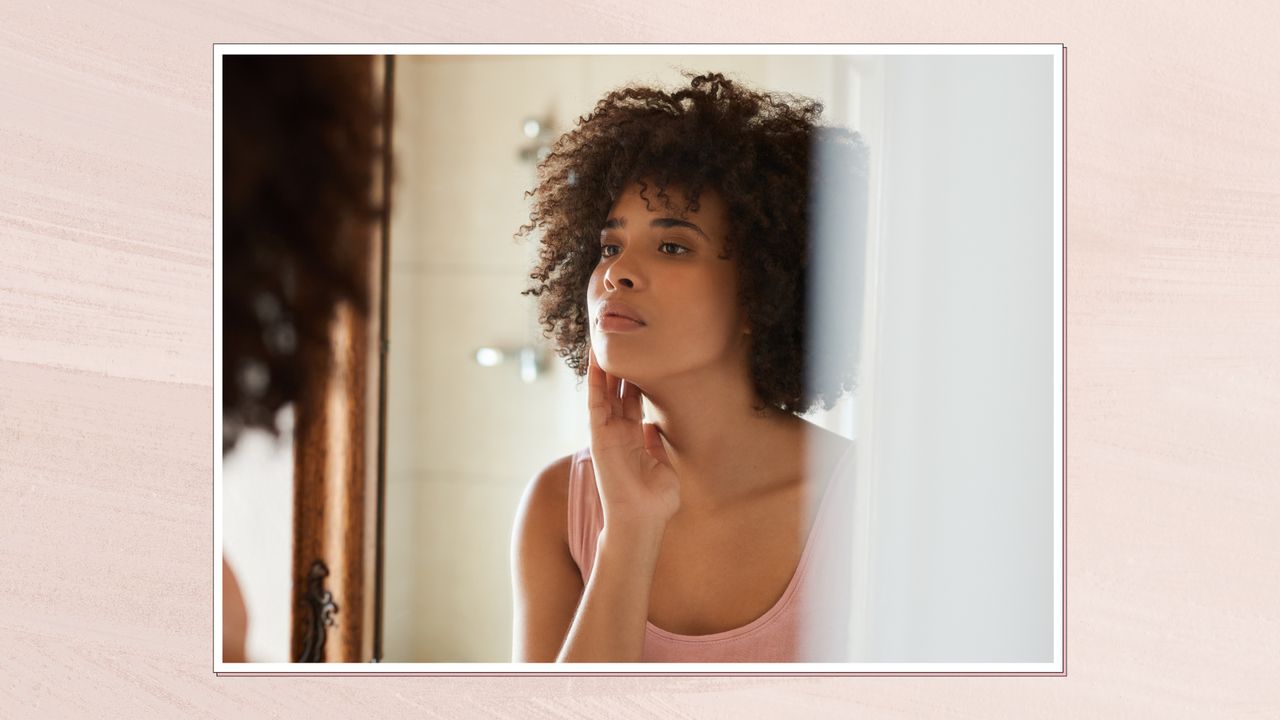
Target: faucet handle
[[531, 361]]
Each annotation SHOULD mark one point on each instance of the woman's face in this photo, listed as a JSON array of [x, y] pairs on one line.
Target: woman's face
[[665, 270]]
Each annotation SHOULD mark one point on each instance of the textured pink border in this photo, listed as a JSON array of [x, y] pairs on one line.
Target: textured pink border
[[105, 396]]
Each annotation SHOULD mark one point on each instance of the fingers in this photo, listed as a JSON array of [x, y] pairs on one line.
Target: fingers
[[653, 444], [632, 408], [612, 387], [611, 399], [604, 392], [598, 406]]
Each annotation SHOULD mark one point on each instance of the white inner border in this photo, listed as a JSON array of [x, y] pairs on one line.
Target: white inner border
[[1056, 666]]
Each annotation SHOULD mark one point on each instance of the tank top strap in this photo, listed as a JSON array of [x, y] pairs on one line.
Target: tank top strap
[[586, 515]]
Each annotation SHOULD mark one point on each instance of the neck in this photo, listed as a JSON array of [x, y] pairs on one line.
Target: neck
[[720, 446]]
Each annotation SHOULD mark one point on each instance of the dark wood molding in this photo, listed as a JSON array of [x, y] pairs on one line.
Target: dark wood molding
[[322, 609], [338, 470], [332, 495], [383, 293]]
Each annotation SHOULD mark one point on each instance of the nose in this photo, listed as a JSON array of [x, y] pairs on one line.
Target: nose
[[619, 274]]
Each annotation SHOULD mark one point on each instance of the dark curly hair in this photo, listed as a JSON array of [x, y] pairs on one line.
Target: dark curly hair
[[300, 141], [760, 152]]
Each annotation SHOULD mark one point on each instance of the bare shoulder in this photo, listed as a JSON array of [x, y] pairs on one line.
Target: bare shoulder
[[542, 518], [547, 493], [546, 581]]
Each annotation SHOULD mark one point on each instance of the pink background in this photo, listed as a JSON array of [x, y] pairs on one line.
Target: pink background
[[106, 398]]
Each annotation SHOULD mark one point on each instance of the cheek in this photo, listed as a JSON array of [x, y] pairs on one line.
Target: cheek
[[595, 294], [712, 317]]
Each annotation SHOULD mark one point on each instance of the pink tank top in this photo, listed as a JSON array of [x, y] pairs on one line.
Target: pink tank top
[[773, 637]]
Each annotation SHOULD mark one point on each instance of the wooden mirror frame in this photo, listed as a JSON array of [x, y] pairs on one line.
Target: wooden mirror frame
[[339, 459]]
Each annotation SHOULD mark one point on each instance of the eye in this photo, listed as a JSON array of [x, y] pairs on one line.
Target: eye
[[604, 250], [680, 249]]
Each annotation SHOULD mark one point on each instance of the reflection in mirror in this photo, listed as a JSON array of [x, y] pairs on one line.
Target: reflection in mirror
[[302, 216]]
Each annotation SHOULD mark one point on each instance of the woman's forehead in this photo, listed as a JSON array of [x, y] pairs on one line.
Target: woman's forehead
[[710, 220]]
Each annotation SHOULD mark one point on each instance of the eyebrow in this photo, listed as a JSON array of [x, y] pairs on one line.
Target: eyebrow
[[666, 222]]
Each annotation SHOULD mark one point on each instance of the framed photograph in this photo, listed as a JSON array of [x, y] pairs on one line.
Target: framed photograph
[[639, 358]]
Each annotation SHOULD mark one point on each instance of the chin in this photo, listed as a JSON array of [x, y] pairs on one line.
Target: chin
[[612, 366], [617, 363]]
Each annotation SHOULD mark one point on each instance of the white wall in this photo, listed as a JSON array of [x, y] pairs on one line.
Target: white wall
[[957, 468]]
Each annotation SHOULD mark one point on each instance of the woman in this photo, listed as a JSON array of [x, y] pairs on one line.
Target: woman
[[672, 274]]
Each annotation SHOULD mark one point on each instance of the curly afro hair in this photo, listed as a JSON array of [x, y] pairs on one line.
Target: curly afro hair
[[756, 150], [300, 141]]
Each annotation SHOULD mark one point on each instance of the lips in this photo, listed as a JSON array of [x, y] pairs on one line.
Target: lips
[[620, 310]]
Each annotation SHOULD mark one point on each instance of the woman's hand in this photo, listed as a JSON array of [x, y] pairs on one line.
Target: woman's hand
[[638, 487]]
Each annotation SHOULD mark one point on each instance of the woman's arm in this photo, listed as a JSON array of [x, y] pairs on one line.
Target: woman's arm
[[556, 618], [610, 623], [235, 618], [546, 582]]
